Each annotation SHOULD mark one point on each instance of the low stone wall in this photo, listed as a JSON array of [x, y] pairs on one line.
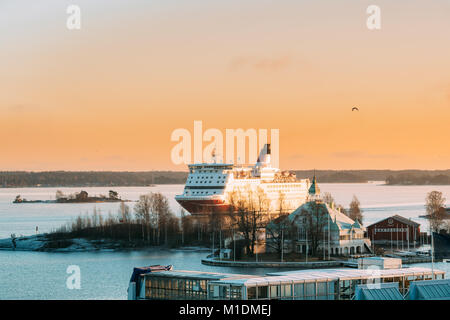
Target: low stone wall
[[275, 264]]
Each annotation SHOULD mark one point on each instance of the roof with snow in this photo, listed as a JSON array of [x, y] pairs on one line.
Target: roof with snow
[[378, 291], [338, 218], [324, 275], [429, 290]]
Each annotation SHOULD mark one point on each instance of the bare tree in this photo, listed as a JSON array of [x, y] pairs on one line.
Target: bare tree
[[143, 213], [434, 202], [259, 214], [281, 203], [315, 220], [182, 224], [59, 195], [355, 212], [216, 223], [278, 228], [248, 213], [95, 218], [328, 198], [113, 194], [446, 226], [125, 217], [161, 211], [277, 231], [153, 212], [240, 210]]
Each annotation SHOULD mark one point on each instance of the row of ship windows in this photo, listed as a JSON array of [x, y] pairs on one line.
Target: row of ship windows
[[201, 192], [204, 171], [207, 177], [208, 181]]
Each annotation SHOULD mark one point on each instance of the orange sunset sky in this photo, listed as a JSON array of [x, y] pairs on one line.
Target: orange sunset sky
[[108, 96]]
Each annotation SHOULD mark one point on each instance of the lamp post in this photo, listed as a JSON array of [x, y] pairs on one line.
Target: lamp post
[[234, 247], [329, 238], [432, 252], [220, 243], [307, 247], [213, 245]]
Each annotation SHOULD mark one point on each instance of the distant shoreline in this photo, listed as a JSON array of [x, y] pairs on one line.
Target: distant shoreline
[[111, 179]]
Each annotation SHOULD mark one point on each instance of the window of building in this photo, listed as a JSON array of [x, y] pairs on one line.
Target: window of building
[[322, 291], [310, 291], [286, 291], [275, 291], [298, 291], [263, 292]]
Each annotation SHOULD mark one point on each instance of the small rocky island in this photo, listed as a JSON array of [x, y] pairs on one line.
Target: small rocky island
[[78, 197]]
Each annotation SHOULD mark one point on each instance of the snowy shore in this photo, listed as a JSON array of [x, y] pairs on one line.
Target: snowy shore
[[45, 243]]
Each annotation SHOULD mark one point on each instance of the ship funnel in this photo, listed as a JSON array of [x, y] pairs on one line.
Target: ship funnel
[[264, 155]]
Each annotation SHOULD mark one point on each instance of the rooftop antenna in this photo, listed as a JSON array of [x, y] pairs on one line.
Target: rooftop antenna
[[432, 251]]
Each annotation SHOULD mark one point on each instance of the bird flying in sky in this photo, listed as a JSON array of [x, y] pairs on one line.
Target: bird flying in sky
[[355, 109]]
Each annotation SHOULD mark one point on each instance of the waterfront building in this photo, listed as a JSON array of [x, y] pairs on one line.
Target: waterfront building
[[396, 231], [324, 284], [320, 284], [322, 223], [179, 285]]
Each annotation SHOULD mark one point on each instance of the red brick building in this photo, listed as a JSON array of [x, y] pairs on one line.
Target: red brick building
[[395, 229]]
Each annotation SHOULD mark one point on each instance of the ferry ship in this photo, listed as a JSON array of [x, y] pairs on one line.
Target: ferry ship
[[209, 186]]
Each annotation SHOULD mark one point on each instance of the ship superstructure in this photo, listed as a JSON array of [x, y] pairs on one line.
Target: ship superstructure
[[210, 186]]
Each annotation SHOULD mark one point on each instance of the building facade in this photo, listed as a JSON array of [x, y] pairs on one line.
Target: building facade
[[321, 227], [322, 284], [395, 229]]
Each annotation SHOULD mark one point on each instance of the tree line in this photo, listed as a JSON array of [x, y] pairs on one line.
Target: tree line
[[418, 179], [22, 179]]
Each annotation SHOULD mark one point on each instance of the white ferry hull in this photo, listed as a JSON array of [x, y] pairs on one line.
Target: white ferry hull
[[209, 186]]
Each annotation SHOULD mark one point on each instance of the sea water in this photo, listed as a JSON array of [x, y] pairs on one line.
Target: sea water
[[105, 275], [378, 201]]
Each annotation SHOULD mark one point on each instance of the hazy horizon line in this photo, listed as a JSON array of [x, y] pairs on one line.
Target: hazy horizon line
[[167, 170]]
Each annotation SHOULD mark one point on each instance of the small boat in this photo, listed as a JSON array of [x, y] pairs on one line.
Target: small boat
[[405, 254]]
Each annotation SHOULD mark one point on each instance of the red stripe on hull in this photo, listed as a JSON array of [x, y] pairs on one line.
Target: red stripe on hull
[[202, 207]]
